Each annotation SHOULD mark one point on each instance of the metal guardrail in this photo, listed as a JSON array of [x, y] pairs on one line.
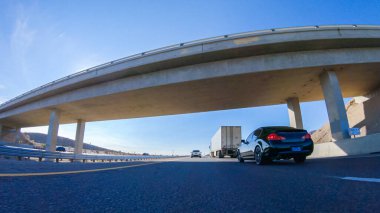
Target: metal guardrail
[[189, 44], [11, 151]]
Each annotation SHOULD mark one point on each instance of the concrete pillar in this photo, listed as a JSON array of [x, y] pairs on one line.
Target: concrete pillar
[[335, 105], [79, 137], [18, 132], [51, 140], [1, 132], [294, 111]]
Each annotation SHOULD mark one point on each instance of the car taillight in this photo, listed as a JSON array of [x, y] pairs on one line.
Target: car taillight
[[275, 137], [307, 136]]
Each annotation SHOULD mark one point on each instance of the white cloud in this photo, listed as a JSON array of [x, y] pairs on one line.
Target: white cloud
[[85, 62], [21, 40], [22, 36], [2, 100]]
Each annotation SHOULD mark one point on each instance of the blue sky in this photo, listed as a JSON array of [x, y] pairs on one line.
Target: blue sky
[[41, 41]]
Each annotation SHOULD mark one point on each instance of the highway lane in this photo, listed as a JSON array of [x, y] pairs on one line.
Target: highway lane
[[25, 166], [202, 185]]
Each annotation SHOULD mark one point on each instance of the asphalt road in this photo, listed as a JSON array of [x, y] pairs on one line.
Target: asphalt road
[[195, 185]]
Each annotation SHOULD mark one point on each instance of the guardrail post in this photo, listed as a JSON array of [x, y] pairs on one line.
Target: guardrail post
[[71, 160], [84, 161], [19, 158], [57, 160], [39, 159]]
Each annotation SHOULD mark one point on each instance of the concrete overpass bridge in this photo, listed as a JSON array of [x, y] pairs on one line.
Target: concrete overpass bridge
[[290, 65]]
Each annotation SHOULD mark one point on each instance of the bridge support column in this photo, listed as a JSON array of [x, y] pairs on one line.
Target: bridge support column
[[18, 132], [1, 131], [335, 105], [79, 137], [51, 140], [294, 111]]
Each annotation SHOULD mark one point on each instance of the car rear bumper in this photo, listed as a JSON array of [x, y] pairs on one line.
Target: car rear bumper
[[280, 151]]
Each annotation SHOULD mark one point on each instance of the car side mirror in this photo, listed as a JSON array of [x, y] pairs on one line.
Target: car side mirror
[[243, 141]]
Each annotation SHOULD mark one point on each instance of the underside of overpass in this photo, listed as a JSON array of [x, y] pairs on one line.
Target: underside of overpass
[[246, 90], [249, 70]]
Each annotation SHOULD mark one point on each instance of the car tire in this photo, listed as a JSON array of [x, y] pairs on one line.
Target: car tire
[[299, 159], [259, 159], [240, 159], [220, 155]]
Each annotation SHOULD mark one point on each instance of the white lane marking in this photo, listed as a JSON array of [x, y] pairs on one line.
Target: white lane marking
[[375, 180], [359, 156], [75, 171], [82, 171], [344, 157]]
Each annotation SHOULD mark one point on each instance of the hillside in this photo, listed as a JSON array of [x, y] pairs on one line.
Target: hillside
[[62, 141]]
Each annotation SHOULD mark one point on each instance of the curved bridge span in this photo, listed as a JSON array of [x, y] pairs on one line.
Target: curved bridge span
[[251, 69]]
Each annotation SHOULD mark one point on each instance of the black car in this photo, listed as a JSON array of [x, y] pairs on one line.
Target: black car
[[276, 142], [60, 149]]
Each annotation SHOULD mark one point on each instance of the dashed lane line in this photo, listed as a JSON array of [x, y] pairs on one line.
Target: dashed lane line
[[374, 180], [74, 172], [346, 157]]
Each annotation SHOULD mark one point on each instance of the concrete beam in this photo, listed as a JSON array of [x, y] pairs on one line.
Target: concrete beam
[[79, 136], [294, 111], [293, 57], [335, 105], [51, 140], [227, 84]]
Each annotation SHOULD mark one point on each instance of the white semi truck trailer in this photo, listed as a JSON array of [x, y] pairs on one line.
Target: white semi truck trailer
[[225, 141]]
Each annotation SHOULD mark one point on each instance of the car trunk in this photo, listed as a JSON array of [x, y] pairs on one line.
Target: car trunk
[[292, 136]]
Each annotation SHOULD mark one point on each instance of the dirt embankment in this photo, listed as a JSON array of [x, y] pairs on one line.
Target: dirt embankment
[[362, 112]]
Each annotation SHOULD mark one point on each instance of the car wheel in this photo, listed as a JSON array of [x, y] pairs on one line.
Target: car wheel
[[240, 159], [300, 159], [259, 156], [220, 154]]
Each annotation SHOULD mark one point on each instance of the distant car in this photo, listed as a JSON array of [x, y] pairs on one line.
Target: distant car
[[60, 149], [145, 153], [196, 153], [276, 142]]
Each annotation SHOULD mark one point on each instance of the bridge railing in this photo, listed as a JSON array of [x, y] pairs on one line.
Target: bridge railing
[[188, 44], [18, 152]]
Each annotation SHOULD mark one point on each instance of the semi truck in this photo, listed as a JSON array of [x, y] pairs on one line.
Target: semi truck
[[225, 142]]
